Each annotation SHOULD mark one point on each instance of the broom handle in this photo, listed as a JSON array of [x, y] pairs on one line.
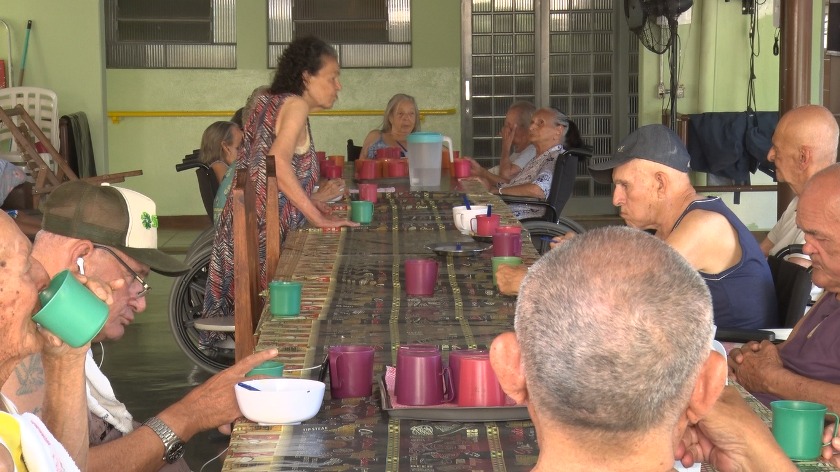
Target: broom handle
[[25, 51]]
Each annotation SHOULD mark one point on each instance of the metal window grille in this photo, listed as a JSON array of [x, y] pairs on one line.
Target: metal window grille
[[165, 34], [366, 33]]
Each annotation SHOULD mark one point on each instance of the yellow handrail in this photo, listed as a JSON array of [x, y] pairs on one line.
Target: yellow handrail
[[116, 116]]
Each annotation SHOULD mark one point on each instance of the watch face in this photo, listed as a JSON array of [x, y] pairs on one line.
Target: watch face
[[175, 452]]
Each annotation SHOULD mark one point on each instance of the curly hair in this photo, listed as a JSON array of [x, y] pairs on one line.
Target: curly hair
[[302, 55]]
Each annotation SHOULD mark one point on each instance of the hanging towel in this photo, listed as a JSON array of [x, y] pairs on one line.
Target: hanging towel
[[101, 399]]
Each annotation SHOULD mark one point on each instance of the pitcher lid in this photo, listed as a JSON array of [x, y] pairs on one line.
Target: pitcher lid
[[425, 137]]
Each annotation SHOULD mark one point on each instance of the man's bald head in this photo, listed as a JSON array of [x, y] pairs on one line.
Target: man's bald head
[[805, 142]]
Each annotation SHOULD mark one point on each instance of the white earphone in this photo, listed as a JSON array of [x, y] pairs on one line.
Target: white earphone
[[81, 263]]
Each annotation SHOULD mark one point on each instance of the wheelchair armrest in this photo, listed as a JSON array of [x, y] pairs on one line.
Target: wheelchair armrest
[[740, 335], [550, 211]]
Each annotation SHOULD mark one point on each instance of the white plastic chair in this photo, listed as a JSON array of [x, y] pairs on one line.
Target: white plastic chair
[[42, 106]]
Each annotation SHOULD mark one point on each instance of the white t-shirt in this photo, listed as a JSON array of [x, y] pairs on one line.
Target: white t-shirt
[[521, 159], [785, 232]]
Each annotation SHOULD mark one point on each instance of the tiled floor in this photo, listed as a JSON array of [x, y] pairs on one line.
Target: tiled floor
[[148, 370]]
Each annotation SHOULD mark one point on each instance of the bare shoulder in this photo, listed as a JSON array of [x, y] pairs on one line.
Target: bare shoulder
[[707, 240]]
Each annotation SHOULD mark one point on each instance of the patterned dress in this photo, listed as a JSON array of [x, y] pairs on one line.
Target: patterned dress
[[259, 136], [538, 171]]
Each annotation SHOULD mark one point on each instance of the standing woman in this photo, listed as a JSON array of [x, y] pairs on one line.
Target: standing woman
[[306, 80], [399, 121]]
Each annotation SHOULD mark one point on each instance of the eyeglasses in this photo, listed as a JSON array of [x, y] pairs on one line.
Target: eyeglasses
[[134, 275]]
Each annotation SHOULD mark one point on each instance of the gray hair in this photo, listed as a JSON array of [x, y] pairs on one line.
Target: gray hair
[[392, 106], [526, 109], [613, 326]]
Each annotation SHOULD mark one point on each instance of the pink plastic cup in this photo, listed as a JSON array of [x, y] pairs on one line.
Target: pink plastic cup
[[462, 168], [509, 229], [484, 225], [477, 383], [367, 169], [397, 168], [322, 155], [422, 379], [368, 192], [507, 244], [388, 153], [351, 371], [420, 277]]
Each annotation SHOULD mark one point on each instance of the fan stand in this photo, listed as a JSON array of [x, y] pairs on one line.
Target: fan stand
[[672, 67]]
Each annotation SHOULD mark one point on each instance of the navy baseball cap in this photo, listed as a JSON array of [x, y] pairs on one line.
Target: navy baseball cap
[[655, 143]]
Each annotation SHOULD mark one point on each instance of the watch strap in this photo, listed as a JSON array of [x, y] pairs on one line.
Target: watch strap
[[172, 444]]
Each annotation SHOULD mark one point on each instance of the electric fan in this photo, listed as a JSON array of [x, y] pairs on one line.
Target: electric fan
[[655, 23]]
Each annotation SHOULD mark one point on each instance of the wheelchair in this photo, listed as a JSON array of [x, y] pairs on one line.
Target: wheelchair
[[186, 300]]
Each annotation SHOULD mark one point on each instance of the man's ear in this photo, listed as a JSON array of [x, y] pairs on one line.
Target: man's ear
[[662, 183], [505, 357], [707, 389], [80, 248], [806, 155]]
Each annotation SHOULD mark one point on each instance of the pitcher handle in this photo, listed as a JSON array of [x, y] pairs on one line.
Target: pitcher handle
[[836, 422], [449, 149]]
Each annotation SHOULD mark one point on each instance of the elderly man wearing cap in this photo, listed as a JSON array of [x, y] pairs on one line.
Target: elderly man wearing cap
[[652, 189], [110, 233]]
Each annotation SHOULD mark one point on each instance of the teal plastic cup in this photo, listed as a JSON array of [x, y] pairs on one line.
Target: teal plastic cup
[[504, 260], [71, 311], [267, 368], [798, 427], [284, 297], [361, 211]]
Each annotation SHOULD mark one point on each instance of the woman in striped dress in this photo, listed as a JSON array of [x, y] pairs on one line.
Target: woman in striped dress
[[306, 80]]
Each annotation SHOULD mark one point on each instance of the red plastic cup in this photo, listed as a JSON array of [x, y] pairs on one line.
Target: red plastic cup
[[331, 171], [462, 168], [351, 371], [322, 156], [477, 383], [337, 160], [455, 366], [422, 379], [388, 153], [507, 244], [397, 168], [368, 192], [509, 229], [485, 225], [420, 277], [367, 169]]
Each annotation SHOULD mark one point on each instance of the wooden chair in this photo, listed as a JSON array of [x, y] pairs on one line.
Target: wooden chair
[[247, 302], [45, 179], [272, 219]]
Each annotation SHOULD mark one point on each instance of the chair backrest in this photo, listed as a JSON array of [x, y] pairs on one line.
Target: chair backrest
[[42, 106], [563, 181], [272, 219], [793, 286], [247, 303], [208, 185], [353, 151]]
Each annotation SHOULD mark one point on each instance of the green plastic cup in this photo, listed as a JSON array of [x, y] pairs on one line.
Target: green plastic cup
[[268, 368], [361, 211], [504, 260], [71, 311], [798, 427], [284, 297]]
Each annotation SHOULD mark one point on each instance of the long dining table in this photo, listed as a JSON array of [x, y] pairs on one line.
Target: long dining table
[[353, 293]]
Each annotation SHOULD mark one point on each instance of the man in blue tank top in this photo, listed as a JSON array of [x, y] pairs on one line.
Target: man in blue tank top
[[652, 189]]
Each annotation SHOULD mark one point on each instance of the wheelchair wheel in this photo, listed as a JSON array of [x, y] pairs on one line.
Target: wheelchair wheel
[[204, 239], [185, 304], [545, 229]]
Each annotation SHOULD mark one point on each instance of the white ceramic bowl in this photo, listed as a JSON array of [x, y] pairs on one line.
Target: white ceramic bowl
[[280, 401]]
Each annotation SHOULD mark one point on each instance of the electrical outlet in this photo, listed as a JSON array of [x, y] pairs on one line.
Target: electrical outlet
[[660, 90], [681, 91], [663, 92]]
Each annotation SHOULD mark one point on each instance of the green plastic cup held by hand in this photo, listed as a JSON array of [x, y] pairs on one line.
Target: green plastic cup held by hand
[[361, 211], [504, 260], [71, 311], [284, 297], [268, 368], [798, 428]]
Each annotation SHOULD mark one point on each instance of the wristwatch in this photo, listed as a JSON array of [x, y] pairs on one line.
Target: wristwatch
[[173, 447]]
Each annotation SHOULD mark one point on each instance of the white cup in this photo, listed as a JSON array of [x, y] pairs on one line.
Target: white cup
[[462, 217]]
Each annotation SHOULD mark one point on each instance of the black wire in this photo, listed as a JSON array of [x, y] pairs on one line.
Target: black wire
[[755, 51]]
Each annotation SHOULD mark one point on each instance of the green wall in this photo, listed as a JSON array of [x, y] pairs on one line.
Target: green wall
[[714, 62], [65, 55]]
